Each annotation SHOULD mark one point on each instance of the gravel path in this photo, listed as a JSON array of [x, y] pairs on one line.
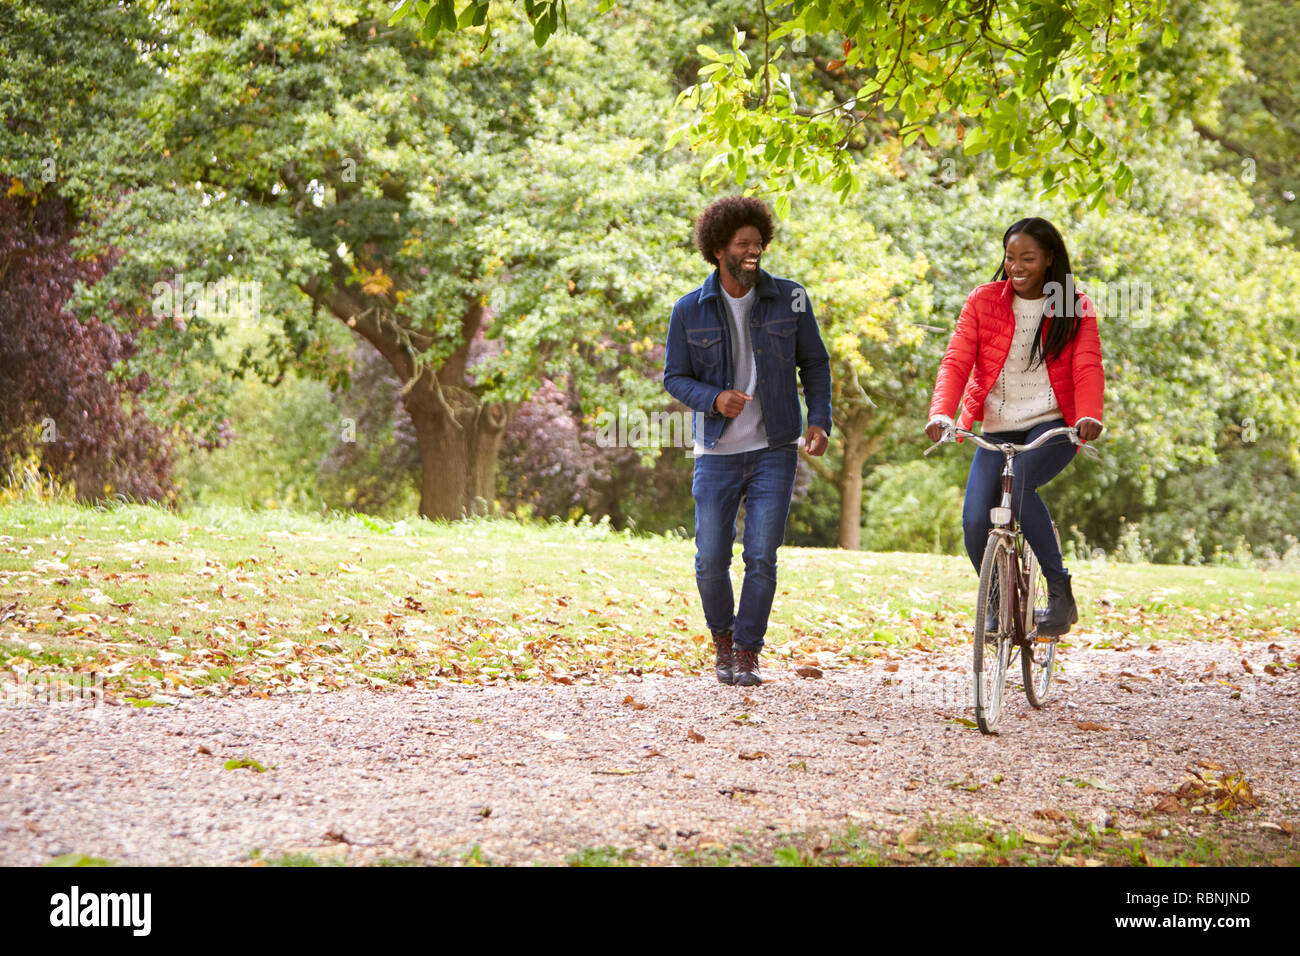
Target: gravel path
[[533, 773]]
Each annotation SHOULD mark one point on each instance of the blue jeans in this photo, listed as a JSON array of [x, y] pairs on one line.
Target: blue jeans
[[765, 479], [1033, 470]]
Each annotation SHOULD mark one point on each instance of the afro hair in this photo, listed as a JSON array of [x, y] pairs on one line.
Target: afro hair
[[721, 220]]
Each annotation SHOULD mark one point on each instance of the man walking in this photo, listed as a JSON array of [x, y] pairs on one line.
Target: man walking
[[734, 345]]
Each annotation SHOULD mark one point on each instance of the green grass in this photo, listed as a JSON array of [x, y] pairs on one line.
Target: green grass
[[601, 856], [955, 841], [221, 600], [969, 841]]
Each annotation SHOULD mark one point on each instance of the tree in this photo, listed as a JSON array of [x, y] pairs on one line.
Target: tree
[[61, 402], [452, 211], [1258, 122], [74, 74], [872, 305], [1027, 75]]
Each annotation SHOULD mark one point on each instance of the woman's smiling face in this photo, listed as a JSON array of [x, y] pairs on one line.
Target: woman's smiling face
[[1026, 263]]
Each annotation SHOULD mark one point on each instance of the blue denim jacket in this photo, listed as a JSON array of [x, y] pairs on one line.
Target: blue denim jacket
[[698, 366]]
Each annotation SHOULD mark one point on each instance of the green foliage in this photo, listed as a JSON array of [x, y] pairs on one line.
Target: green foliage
[[76, 74], [278, 437], [913, 506], [1258, 125], [1198, 331], [815, 507], [1028, 77], [78, 859], [1243, 507], [364, 175]]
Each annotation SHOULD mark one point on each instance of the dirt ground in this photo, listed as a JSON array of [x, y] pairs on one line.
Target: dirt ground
[[657, 767]]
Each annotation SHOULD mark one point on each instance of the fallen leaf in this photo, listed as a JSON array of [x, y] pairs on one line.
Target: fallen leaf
[[909, 837], [808, 671], [1039, 839], [1089, 725], [753, 755], [1169, 804], [1050, 813], [694, 737], [1091, 782], [244, 763]]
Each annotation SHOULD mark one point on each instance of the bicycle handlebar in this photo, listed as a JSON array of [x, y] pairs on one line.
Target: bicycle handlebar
[[951, 431]]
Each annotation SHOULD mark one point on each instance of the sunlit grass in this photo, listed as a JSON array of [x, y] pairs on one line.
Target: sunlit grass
[[218, 599]]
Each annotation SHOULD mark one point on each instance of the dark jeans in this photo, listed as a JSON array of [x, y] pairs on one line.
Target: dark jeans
[[1033, 470], [765, 479]]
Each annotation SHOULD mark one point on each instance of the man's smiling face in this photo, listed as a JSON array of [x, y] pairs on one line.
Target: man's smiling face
[[741, 256]]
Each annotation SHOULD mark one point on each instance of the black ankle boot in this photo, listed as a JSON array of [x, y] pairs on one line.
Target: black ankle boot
[[1061, 610]]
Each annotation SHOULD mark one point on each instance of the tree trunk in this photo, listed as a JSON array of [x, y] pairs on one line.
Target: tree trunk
[[458, 450], [459, 435], [859, 445], [850, 488]]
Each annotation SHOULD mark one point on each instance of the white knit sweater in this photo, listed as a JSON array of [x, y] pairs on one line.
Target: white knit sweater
[[1022, 397]]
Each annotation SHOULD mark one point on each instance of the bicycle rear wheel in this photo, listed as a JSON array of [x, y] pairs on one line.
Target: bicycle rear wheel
[[992, 651], [1039, 659]]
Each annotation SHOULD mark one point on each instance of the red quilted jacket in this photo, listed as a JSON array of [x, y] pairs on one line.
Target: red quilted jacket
[[979, 349]]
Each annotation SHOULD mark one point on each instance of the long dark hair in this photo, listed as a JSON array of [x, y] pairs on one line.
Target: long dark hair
[[1061, 327]]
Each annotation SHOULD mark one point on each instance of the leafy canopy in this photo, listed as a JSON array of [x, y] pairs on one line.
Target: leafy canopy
[[1022, 79]]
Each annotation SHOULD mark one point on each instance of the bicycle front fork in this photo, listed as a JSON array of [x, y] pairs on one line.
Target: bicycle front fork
[[1001, 517]]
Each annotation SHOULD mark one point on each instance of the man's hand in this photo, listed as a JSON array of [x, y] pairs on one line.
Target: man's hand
[[934, 431], [1088, 429], [731, 402], [815, 440]]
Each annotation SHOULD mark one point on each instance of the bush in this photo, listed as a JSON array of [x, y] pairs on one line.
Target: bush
[[913, 506]]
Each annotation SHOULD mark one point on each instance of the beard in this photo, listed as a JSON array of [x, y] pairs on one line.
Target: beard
[[744, 277]]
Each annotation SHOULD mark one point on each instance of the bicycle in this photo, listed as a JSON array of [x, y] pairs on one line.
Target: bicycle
[[1010, 580]]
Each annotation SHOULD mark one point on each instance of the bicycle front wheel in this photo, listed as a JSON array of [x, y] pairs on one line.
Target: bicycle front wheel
[[1039, 659], [992, 650]]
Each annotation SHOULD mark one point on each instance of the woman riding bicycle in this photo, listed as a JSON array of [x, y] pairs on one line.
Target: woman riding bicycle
[[1030, 340]]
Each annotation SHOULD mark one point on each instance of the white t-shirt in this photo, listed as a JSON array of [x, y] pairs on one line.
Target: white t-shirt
[[745, 432]]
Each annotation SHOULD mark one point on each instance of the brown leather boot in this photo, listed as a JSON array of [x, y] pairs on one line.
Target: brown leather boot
[[725, 666], [747, 667]]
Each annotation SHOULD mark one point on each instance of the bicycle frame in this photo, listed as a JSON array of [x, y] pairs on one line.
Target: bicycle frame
[[1016, 588], [1002, 516]]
